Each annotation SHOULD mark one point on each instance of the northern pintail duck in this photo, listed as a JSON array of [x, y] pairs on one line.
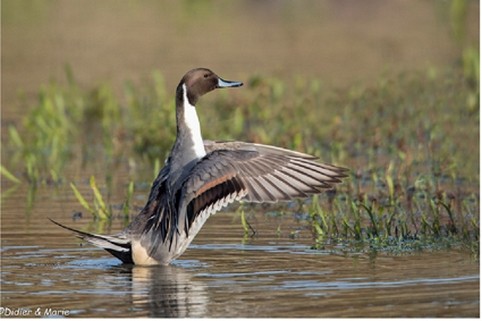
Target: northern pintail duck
[[201, 177]]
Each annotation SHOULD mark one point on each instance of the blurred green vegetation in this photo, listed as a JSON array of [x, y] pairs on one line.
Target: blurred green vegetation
[[411, 142], [469, 56]]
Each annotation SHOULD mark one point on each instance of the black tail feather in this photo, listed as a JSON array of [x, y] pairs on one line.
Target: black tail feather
[[120, 247]]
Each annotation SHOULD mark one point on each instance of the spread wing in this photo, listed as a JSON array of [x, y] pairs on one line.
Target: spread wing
[[252, 172]]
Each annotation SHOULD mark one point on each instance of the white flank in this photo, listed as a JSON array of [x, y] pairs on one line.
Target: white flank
[[192, 122], [140, 256]]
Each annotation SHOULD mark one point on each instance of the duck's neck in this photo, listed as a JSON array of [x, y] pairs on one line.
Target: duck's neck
[[189, 144], [190, 125]]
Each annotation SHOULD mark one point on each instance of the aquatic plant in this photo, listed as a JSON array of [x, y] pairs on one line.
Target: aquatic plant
[[99, 209]]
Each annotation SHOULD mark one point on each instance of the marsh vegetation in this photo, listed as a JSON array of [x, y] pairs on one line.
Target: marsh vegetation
[[408, 140]]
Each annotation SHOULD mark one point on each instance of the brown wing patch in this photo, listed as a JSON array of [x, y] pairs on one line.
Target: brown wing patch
[[214, 194], [209, 185]]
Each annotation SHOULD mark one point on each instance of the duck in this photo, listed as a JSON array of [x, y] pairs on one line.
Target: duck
[[200, 177]]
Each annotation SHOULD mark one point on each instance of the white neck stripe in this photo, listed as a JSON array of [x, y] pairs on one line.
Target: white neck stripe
[[191, 121]]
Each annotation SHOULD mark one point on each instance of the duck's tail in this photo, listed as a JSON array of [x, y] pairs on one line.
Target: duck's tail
[[116, 245]]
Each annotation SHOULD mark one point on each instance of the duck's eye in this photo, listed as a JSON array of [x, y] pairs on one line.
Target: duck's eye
[[206, 75]]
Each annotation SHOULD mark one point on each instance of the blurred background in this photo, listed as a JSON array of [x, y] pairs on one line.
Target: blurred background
[[389, 89], [339, 42]]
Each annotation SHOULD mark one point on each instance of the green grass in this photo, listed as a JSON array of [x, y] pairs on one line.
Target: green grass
[[410, 140]]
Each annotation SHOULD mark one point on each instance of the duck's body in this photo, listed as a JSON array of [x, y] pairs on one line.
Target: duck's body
[[201, 177]]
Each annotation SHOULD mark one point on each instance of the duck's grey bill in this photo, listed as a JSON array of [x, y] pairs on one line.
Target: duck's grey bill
[[226, 83]]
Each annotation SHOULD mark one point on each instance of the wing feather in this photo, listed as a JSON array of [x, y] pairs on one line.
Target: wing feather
[[257, 173]]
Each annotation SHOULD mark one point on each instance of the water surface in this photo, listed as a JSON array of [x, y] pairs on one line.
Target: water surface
[[222, 274]]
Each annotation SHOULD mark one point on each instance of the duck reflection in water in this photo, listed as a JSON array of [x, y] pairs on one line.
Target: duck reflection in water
[[166, 291]]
